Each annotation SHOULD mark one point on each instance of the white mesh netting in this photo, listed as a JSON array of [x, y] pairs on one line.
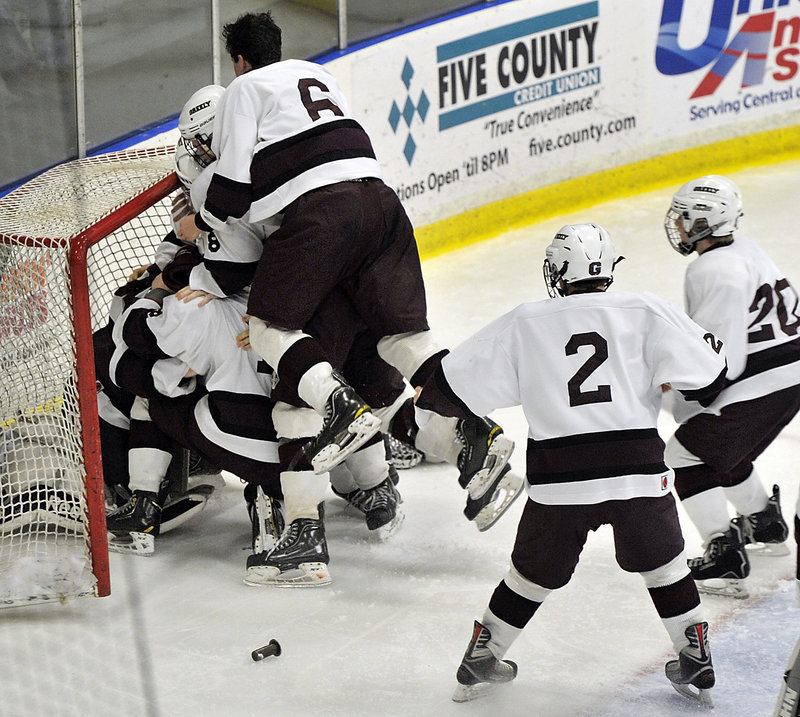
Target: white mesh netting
[[45, 536]]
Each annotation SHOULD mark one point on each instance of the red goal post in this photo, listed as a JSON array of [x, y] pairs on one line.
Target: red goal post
[[68, 238]]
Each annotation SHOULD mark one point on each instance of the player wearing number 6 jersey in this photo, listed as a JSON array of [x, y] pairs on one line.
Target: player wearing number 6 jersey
[[287, 144], [734, 290], [587, 367]]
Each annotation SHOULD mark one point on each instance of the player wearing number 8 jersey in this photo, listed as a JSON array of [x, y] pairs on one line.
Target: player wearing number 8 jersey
[[587, 368], [736, 291]]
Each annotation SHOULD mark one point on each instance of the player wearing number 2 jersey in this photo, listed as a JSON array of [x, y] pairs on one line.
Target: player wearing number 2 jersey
[[734, 290], [587, 368]]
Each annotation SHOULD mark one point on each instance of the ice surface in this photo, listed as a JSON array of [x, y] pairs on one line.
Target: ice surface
[[385, 638]]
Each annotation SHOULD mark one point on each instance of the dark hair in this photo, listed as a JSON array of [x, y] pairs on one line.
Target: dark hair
[[255, 37]]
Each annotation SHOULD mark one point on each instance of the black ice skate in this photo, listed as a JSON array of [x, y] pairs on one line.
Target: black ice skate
[[349, 423], [484, 472], [299, 558], [693, 668], [379, 506], [480, 671], [724, 564], [765, 532], [134, 527], [182, 507]]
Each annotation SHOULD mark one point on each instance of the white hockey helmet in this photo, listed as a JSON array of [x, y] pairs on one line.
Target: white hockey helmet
[[196, 122], [578, 252], [707, 206], [186, 166]]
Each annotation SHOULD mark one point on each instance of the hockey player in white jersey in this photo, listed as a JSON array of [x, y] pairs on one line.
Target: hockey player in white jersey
[[286, 143], [734, 290], [300, 555], [587, 368]]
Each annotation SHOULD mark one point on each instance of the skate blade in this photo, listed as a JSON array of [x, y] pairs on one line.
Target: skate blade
[[498, 455], [507, 491], [133, 543], [703, 697], [306, 575], [358, 433], [726, 587], [184, 508], [386, 531], [766, 550], [467, 693]]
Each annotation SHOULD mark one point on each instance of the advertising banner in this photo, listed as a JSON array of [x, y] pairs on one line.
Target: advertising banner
[[527, 94]]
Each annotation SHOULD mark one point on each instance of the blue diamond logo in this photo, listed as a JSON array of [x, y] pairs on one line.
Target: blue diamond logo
[[408, 111], [423, 105], [407, 74], [394, 117], [409, 149]]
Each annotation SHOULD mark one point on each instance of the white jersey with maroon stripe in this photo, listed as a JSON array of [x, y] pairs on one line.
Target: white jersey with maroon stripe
[[279, 132], [587, 370], [736, 292], [230, 251], [234, 414]]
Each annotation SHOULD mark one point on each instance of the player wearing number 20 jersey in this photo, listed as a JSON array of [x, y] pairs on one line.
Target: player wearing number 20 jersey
[[736, 291]]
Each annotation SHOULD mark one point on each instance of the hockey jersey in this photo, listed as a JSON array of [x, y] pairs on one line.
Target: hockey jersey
[[174, 336], [738, 293], [279, 132], [587, 370], [231, 251]]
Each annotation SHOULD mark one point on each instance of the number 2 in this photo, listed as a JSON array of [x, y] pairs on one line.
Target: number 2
[[602, 394]]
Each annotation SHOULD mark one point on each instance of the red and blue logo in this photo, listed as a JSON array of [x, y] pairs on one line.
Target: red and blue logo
[[753, 41]]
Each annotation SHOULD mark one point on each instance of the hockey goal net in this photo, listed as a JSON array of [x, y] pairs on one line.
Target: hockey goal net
[[68, 238]]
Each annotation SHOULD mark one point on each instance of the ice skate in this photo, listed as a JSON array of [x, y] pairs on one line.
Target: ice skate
[[765, 532], [724, 565], [178, 509], [266, 520], [349, 423], [480, 672], [403, 455], [693, 668], [484, 471], [134, 527], [299, 558], [380, 506]]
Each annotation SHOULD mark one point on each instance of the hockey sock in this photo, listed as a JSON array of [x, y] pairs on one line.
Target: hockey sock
[[316, 385], [410, 351], [709, 512], [303, 491], [368, 464], [748, 496], [436, 436]]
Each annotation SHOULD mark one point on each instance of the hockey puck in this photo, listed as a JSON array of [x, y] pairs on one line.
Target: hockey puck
[[272, 648]]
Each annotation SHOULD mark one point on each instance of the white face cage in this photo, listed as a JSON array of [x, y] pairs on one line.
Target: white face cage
[[679, 238]]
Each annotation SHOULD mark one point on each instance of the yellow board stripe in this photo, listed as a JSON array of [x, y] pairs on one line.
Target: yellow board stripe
[[668, 170]]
